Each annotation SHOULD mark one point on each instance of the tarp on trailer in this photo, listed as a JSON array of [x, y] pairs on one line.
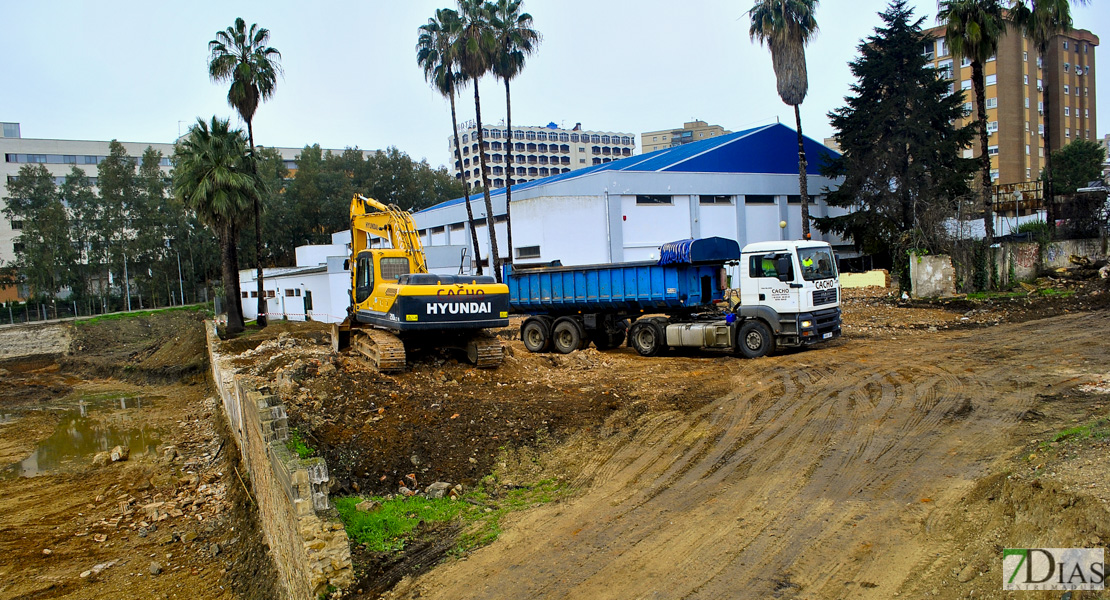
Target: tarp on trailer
[[690, 251]]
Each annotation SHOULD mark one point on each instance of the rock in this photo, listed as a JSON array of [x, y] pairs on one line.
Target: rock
[[968, 573], [214, 549], [155, 568], [47, 552], [167, 539], [168, 454], [438, 489], [120, 453], [367, 506], [101, 458], [188, 537]]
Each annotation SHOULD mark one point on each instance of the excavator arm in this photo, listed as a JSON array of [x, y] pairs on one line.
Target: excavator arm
[[374, 219]]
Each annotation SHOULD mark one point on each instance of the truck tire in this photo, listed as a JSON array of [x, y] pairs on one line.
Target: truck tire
[[647, 338], [536, 335], [567, 335], [754, 339]]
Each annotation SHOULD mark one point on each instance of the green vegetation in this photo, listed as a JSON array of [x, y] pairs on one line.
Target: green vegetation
[[1047, 292], [389, 527], [1037, 228], [1095, 430], [297, 445], [140, 314]]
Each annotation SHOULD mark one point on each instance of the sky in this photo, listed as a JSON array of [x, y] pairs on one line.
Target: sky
[[137, 70]]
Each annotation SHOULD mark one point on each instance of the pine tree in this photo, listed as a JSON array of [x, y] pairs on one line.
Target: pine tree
[[900, 159]]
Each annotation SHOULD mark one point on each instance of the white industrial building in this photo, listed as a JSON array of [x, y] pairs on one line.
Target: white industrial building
[[740, 186]]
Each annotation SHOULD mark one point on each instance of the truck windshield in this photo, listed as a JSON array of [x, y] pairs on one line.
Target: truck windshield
[[817, 263]]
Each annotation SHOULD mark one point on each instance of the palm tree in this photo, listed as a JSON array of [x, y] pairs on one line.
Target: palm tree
[[475, 51], [214, 176], [515, 40], [787, 26], [435, 53], [242, 56], [1041, 21], [973, 29]]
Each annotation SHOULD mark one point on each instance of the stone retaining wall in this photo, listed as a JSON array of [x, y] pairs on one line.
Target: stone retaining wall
[[306, 538]]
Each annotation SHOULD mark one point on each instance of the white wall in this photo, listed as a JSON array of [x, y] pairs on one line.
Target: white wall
[[313, 256], [572, 229]]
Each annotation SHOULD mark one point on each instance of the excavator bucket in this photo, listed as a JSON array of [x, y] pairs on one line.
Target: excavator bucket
[[341, 335]]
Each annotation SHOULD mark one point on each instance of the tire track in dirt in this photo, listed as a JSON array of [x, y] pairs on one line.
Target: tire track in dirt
[[816, 477]]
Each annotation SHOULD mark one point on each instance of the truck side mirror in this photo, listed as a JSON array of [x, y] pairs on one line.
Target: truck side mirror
[[782, 266], [346, 264]]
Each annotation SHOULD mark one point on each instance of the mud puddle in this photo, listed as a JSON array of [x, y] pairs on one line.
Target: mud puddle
[[86, 426]]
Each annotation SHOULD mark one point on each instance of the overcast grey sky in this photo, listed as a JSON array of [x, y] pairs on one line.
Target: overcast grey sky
[[136, 70]]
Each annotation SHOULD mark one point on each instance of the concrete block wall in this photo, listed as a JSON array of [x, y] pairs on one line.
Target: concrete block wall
[[1028, 259], [307, 540], [932, 276]]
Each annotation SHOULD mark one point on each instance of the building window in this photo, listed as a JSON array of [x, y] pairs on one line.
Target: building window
[[992, 102], [759, 199], [992, 126], [965, 84], [1065, 44], [992, 150], [1067, 111], [254, 294], [245, 294], [992, 79], [653, 199], [528, 252], [1025, 57], [1027, 103], [289, 291], [1027, 150], [703, 199], [1027, 172], [967, 108], [1026, 79], [542, 135], [17, 225], [927, 49], [966, 62], [1067, 132], [1067, 90]]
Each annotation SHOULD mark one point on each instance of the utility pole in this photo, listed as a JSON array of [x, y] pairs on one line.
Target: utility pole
[[126, 283]]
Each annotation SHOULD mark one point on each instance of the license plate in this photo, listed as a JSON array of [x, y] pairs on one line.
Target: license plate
[[826, 336]]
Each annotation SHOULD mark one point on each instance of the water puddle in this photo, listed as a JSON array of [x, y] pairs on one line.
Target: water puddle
[[82, 431]]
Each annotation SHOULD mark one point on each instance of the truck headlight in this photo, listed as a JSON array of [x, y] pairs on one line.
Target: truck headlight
[[806, 324]]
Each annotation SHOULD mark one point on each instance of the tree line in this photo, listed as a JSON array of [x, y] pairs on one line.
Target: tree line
[[76, 240]]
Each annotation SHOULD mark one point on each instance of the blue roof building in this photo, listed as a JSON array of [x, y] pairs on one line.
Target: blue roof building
[[739, 186]]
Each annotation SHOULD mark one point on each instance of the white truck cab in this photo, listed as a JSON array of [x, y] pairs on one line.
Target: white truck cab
[[794, 287]]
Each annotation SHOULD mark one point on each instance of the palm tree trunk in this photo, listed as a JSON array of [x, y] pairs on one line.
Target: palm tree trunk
[[803, 183], [1049, 200], [466, 187], [231, 278], [984, 154], [509, 178], [261, 320], [494, 258]]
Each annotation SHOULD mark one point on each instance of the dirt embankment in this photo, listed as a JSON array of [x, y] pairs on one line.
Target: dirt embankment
[[170, 521]]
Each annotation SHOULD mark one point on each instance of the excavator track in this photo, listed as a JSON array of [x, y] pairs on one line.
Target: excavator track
[[384, 349], [485, 352]]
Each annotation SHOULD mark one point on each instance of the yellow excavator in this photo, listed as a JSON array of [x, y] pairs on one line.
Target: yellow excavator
[[396, 303]]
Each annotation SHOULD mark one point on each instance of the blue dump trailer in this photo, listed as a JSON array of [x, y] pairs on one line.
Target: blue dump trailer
[[677, 301]]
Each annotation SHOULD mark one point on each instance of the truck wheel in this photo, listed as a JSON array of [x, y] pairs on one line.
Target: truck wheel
[[536, 335], [610, 337], [566, 336], [646, 337], [754, 339]]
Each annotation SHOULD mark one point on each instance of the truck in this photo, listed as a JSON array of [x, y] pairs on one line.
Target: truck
[[789, 296], [396, 304]]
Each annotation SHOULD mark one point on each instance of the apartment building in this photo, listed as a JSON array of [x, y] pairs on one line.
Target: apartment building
[[693, 131], [1017, 80], [61, 156], [537, 151]]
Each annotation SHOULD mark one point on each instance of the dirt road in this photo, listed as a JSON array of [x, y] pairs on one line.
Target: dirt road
[[864, 470]]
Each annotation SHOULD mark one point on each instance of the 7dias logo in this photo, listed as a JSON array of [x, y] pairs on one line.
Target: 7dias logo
[[1053, 569]]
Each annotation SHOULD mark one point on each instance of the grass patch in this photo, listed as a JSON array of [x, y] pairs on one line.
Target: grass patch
[[393, 524], [1055, 293], [139, 314], [297, 445], [1096, 430], [995, 295]]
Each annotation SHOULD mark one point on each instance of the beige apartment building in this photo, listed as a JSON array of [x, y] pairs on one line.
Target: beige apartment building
[[1016, 83], [537, 151], [693, 131]]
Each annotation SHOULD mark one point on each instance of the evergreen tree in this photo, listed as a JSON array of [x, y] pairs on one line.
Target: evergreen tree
[[45, 256], [1076, 165], [119, 195], [84, 211], [901, 166]]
